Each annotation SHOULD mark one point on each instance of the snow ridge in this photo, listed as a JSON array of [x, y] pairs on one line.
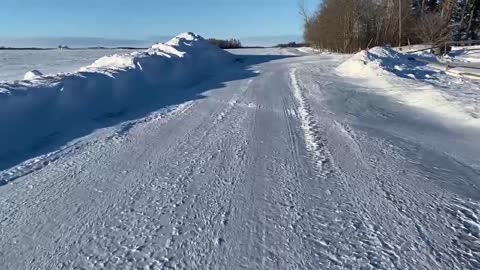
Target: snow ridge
[[32, 111], [314, 146]]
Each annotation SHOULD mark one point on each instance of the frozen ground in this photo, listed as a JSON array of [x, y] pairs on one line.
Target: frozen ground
[[14, 64], [276, 161]]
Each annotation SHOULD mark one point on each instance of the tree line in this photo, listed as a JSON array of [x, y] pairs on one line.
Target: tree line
[[291, 45], [351, 25], [227, 43]]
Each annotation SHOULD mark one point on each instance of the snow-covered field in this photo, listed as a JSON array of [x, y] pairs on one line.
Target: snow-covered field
[[14, 64], [257, 159]]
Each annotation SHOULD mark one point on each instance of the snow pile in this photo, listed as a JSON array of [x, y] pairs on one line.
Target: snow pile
[[413, 48], [380, 61], [308, 50], [415, 83], [32, 75], [464, 54], [463, 62], [33, 112]]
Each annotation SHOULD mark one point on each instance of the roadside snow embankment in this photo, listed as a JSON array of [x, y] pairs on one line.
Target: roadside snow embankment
[[415, 83], [309, 50], [32, 75], [34, 110], [464, 54]]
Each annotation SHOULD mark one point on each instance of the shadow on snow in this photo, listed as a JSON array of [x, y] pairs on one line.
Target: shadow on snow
[[240, 69]]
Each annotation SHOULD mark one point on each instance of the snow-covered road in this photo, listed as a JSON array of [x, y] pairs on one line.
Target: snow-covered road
[[277, 163]]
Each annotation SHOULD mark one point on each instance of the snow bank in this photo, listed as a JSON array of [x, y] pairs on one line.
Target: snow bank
[[35, 111], [463, 62], [412, 48], [415, 83], [32, 75], [464, 54], [308, 50], [380, 61]]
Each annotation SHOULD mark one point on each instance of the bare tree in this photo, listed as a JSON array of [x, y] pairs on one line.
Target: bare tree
[[350, 25], [433, 28], [303, 11]]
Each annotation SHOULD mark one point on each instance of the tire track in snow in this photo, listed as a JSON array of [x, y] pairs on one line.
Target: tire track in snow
[[313, 142], [170, 212], [351, 230], [232, 103], [184, 238], [167, 212]]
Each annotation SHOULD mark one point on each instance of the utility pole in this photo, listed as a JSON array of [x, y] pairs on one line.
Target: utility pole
[[399, 23]]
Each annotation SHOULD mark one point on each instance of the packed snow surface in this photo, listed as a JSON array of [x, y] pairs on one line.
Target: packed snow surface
[[271, 161]]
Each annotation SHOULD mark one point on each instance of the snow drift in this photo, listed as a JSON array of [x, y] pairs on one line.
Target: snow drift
[[32, 75], [465, 54], [415, 83], [34, 110], [383, 60]]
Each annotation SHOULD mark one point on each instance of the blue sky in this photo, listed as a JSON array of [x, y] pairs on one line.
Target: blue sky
[[150, 19]]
